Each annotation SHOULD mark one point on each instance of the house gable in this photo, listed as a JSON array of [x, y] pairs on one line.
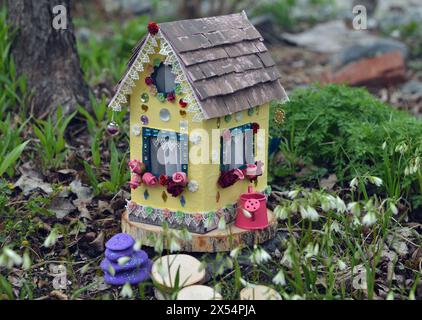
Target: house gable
[[221, 64]]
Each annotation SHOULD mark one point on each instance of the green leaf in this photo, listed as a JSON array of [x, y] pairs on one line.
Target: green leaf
[[12, 157]]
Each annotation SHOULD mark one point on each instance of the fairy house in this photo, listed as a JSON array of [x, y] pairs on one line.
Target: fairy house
[[197, 89]]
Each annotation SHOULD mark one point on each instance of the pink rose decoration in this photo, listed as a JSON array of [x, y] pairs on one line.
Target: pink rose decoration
[[180, 178], [135, 182], [239, 174], [149, 179], [136, 166]]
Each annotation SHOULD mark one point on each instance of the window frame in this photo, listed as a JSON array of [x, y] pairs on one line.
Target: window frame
[[155, 74], [226, 167], [181, 138]]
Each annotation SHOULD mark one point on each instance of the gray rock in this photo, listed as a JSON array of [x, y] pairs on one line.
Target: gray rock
[[367, 50], [413, 88], [329, 37]]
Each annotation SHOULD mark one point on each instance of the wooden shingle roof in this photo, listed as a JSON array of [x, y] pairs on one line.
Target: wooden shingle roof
[[226, 63]]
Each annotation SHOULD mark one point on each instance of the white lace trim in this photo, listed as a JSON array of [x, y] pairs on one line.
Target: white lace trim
[[128, 82]]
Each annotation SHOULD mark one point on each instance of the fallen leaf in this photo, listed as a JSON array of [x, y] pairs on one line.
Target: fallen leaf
[[82, 192], [61, 207], [328, 183]]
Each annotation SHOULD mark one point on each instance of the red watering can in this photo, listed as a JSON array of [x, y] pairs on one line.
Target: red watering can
[[252, 211]]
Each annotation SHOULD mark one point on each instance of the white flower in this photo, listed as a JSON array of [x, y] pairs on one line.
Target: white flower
[[341, 265], [394, 209], [174, 245], [311, 250], [259, 256], [369, 219], [375, 180], [9, 258], [340, 205], [123, 260], [246, 284], [293, 194], [384, 145], [354, 183], [335, 226], [354, 208], [309, 213], [281, 212], [279, 278], [193, 186], [126, 291], [390, 296], [26, 261], [287, 259], [136, 130], [235, 252], [222, 223], [137, 246], [51, 238]]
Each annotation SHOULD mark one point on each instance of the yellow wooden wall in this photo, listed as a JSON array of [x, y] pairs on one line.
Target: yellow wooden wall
[[205, 199]]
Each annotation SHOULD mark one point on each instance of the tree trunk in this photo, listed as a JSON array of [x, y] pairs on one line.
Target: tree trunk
[[47, 56]]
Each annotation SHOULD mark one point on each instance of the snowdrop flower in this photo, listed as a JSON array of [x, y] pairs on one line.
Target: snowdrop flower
[[174, 245], [123, 260], [341, 265], [390, 296], [51, 239], [185, 235], [354, 183], [126, 291], [281, 212], [384, 145], [293, 194], [26, 261], [222, 223], [9, 258], [341, 206], [259, 256], [279, 278], [235, 252], [335, 226], [246, 284], [137, 246], [311, 250], [369, 219], [354, 208], [287, 259], [309, 213], [401, 148], [393, 208], [375, 180]]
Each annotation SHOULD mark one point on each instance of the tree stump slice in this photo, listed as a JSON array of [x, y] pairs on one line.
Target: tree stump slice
[[198, 292], [259, 292], [213, 241], [188, 267]]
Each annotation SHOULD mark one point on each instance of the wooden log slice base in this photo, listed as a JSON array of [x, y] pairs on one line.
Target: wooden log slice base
[[213, 241]]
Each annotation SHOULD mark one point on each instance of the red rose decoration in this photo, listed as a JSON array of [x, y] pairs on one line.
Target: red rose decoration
[[153, 28], [163, 180], [182, 103], [175, 189], [171, 96], [227, 179], [255, 127], [149, 81]]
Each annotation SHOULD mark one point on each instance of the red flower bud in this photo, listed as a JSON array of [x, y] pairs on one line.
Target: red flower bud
[[149, 81], [153, 28]]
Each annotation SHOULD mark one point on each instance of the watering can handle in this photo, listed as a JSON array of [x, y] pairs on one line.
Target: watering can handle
[[250, 189]]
